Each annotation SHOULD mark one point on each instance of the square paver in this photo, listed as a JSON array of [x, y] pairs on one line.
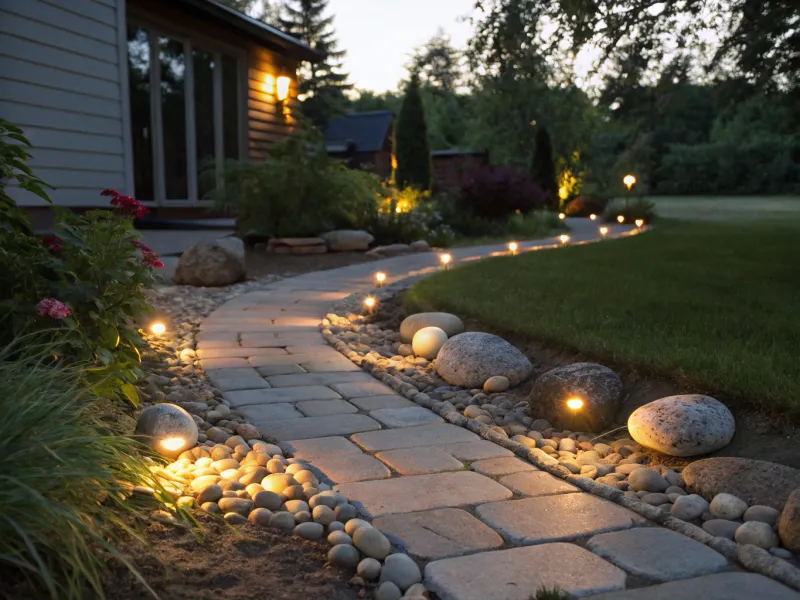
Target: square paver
[[536, 483], [349, 468], [320, 447], [211, 364], [360, 390], [518, 573], [436, 534], [475, 450], [413, 437], [274, 395], [270, 370], [405, 417], [229, 380], [318, 408], [657, 554], [286, 359], [331, 366], [555, 518], [313, 427], [263, 413], [322, 349], [722, 586], [419, 461], [501, 466], [279, 381], [422, 492], [208, 344], [371, 403], [239, 352]]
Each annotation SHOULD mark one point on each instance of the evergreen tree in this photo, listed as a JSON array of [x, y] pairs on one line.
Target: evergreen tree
[[543, 167], [322, 85], [411, 141], [261, 10]]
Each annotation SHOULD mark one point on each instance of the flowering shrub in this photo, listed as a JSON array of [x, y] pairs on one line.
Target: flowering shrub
[[82, 287]]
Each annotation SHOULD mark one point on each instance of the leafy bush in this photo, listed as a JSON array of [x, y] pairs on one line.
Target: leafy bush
[[61, 477], [535, 224], [635, 208], [583, 206], [298, 191], [496, 192], [84, 285], [411, 140]]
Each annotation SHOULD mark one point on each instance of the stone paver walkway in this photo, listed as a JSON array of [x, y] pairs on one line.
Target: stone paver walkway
[[484, 524]]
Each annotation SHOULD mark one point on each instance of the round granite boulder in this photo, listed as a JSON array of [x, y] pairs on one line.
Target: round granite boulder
[[469, 359], [448, 323], [428, 341], [167, 428], [597, 387], [685, 425]]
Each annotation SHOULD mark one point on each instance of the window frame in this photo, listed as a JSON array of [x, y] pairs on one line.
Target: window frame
[[190, 40]]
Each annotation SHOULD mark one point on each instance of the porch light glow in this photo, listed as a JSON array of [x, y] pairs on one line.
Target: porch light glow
[[445, 258], [282, 87]]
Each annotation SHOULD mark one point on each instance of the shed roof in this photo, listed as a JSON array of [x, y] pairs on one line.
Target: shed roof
[[257, 29], [366, 130]]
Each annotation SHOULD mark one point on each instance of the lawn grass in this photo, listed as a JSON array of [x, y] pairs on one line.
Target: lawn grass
[[727, 208], [716, 306]]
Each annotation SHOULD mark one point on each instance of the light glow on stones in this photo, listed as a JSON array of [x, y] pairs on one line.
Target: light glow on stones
[[563, 238], [172, 444], [512, 247], [620, 219], [629, 181], [593, 217], [574, 404], [158, 328], [562, 216], [380, 277], [604, 231], [639, 222]]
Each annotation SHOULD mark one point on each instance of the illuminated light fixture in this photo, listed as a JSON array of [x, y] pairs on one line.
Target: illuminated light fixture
[[564, 238], [629, 181], [370, 302], [269, 85], [639, 222], [445, 258], [604, 231], [167, 428], [574, 404], [562, 216], [620, 219], [282, 88], [172, 444], [158, 328], [593, 217], [513, 247], [380, 277]]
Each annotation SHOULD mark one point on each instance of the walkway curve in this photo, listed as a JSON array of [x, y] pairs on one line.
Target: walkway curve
[[476, 515]]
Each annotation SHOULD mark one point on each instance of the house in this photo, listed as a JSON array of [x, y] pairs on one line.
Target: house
[[450, 167], [364, 140], [143, 95]]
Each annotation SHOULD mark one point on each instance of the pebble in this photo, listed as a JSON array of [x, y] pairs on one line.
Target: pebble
[[369, 569], [235, 505], [309, 531], [339, 537], [275, 466], [656, 499], [323, 515], [371, 542], [355, 524], [322, 500], [756, 533], [627, 469], [336, 526], [781, 553], [727, 506], [689, 508], [233, 518], [278, 482], [496, 384], [346, 512], [210, 493], [302, 516], [645, 479], [344, 555], [211, 508], [721, 528], [567, 445], [296, 506], [283, 521], [673, 489], [268, 500], [401, 570], [765, 514], [260, 516], [388, 591]]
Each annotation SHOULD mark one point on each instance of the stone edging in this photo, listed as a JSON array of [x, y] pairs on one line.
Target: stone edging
[[751, 557]]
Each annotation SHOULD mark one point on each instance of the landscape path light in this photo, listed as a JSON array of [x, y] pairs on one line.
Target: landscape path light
[[380, 277], [620, 219], [562, 216], [369, 303], [513, 247], [603, 231], [445, 259], [157, 328], [639, 222], [563, 238], [593, 217], [167, 428]]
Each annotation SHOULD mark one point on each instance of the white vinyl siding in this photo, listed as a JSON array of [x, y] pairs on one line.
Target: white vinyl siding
[[60, 80]]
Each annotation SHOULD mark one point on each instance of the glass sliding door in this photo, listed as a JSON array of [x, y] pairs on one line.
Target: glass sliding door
[[185, 103]]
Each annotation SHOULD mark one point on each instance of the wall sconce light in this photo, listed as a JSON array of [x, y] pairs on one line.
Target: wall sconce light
[[282, 85]]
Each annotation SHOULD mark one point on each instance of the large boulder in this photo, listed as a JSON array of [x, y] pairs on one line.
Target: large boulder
[[598, 387], [684, 425], [754, 481], [789, 523], [469, 359], [212, 263], [166, 428], [448, 323], [348, 240]]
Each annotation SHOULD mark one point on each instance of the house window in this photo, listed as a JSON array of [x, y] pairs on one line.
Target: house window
[[185, 115]]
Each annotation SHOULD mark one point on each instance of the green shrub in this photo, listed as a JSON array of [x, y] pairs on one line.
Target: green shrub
[[543, 167], [411, 141], [632, 209], [584, 205], [545, 593], [299, 191], [61, 478], [84, 285]]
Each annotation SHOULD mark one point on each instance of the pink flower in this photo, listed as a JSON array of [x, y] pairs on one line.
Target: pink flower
[[126, 205], [52, 243], [51, 307], [141, 246], [151, 258], [109, 192]]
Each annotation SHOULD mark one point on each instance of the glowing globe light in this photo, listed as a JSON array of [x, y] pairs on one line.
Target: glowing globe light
[[172, 444], [370, 302], [574, 404], [158, 328], [620, 219], [629, 181], [593, 217], [639, 222], [564, 238], [562, 216], [604, 231], [445, 258], [512, 246], [380, 277]]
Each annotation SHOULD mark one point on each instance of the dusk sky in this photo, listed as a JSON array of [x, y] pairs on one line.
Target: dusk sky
[[380, 35]]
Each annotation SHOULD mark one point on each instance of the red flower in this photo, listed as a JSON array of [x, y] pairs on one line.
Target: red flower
[[140, 245], [151, 258], [52, 243], [126, 205], [51, 307], [109, 192]]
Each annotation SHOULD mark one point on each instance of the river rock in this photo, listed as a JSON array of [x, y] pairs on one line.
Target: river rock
[[448, 323], [689, 508], [597, 386], [348, 240], [721, 528], [789, 523], [167, 428], [388, 591], [754, 481], [345, 556], [369, 569], [727, 506], [309, 531], [496, 384], [756, 533], [401, 570], [765, 514], [469, 359], [428, 341], [685, 425], [212, 263], [371, 542], [645, 480]]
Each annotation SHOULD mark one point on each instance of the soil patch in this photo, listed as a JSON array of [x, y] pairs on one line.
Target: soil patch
[[260, 263]]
